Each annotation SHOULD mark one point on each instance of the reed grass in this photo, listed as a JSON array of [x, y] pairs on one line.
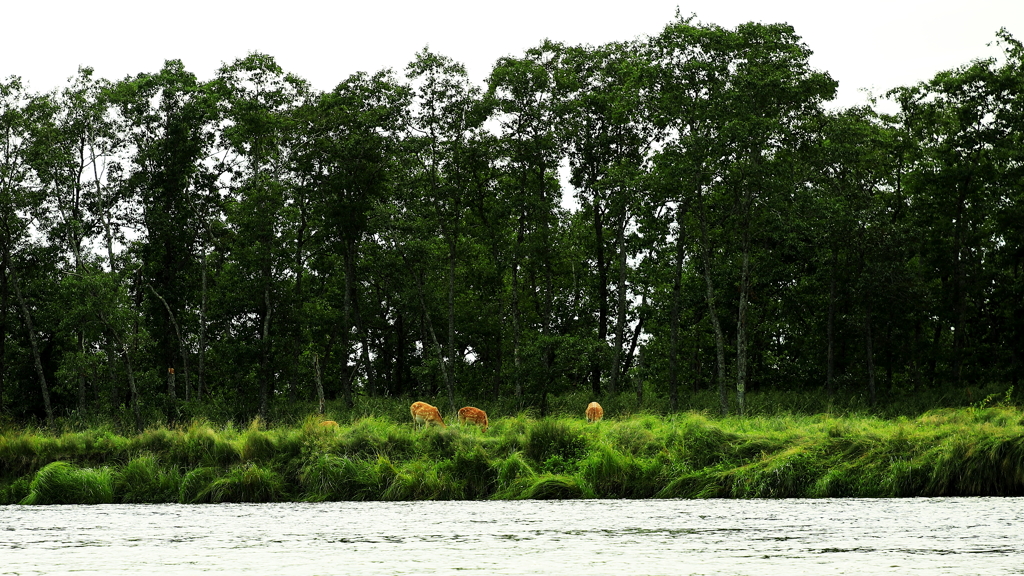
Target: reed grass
[[64, 483], [248, 482], [145, 480], [337, 478], [196, 485], [968, 451]]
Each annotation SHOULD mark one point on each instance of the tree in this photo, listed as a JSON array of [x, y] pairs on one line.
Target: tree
[[528, 96], [345, 161], [609, 139], [15, 188], [169, 119], [960, 182], [447, 120], [256, 99]]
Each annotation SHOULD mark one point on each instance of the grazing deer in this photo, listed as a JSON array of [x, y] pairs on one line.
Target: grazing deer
[[473, 416], [594, 412], [423, 413], [329, 424]]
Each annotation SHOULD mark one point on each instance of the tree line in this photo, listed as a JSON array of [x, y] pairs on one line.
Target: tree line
[[659, 216]]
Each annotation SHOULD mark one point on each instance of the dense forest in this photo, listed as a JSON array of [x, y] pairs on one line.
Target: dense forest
[[659, 217]]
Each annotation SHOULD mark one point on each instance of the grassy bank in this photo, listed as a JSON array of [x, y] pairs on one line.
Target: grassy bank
[[970, 451]]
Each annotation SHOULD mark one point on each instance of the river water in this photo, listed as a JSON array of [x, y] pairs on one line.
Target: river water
[[594, 537]]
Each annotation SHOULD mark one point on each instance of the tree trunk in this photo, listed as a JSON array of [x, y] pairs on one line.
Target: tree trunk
[[451, 320], [399, 378], [136, 410], [869, 353], [602, 300], [437, 345], [35, 347], [265, 371], [620, 320], [959, 288], [628, 364], [371, 380], [181, 349], [549, 306], [105, 216], [5, 298], [673, 353], [350, 273], [496, 371], [81, 374], [516, 324], [115, 394], [126, 355], [201, 369], [171, 392], [705, 252], [741, 329], [300, 274], [319, 383], [830, 386]]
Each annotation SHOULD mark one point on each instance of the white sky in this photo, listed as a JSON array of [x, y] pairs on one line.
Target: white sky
[[873, 44]]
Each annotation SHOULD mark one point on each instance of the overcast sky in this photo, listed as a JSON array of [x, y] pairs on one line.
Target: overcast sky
[[872, 44]]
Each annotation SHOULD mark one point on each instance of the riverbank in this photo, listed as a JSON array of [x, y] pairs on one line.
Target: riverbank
[[949, 452]]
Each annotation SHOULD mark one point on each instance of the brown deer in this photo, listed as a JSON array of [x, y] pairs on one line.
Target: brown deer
[[423, 413], [594, 412], [473, 416], [329, 424]]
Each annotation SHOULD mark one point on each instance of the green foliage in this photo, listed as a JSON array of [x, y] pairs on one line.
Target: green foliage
[[16, 491], [200, 445], [196, 485], [613, 474], [835, 261], [144, 480], [64, 483], [966, 452], [248, 483], [511, 474], [422, 480], [257, 446], [474, 471], [554, 487], [550, 438], [334, 478]]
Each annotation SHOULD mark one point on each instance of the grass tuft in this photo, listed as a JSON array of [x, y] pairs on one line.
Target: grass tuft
[[558, 439], [248, 483], [552, 487], [970, 451], [63, 483], [196, 485], [143, 480], [335, 478]]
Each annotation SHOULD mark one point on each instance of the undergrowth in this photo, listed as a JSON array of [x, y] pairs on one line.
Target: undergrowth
[[977, 450]]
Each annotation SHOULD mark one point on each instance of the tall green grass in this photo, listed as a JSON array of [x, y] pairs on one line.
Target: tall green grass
[[969, 451], [63, 483]]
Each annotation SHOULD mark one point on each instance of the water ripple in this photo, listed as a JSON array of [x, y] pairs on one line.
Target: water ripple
[[620, 537]]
